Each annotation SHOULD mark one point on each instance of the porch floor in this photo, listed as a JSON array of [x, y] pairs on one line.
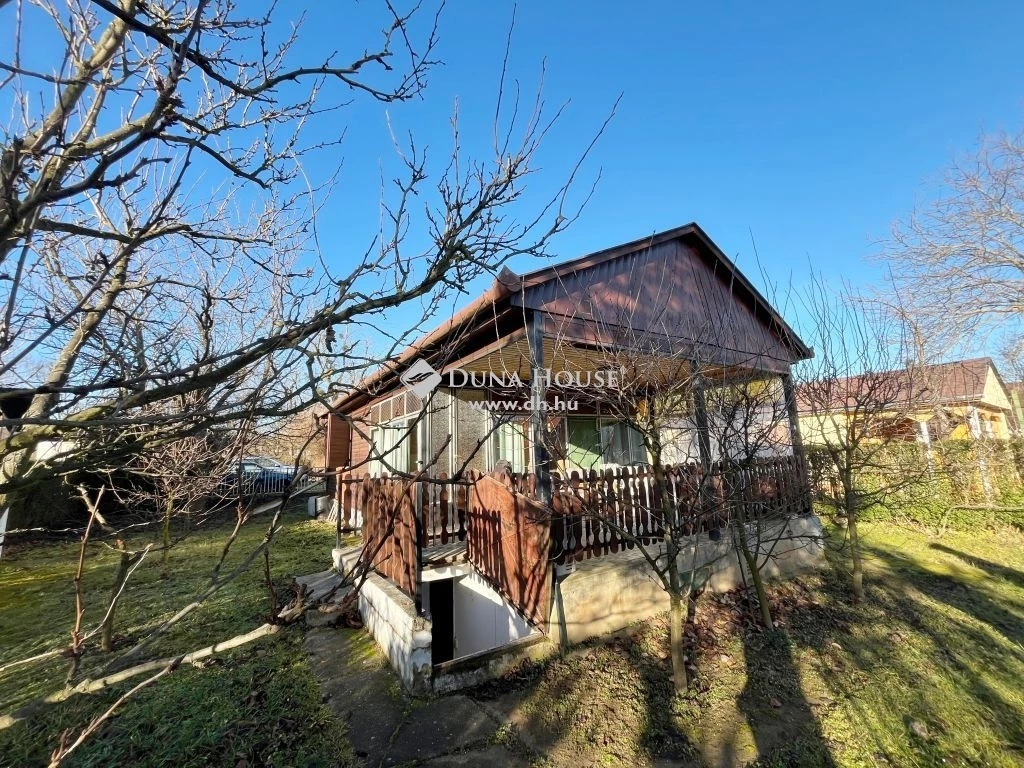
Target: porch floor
[[451, 553]]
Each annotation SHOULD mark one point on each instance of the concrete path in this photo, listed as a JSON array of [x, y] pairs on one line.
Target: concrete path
[[388, 728]]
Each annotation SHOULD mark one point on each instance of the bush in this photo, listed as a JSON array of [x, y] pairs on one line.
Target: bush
[[962, 473], [52, 504]]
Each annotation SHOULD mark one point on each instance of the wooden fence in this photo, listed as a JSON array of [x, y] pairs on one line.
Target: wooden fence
[[599, 513], [509, 545], [389, 529]]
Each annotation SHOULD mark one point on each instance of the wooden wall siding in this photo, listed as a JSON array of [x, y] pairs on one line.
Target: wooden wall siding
[[339, 434], [360, 451], [509, 538], [668, 290], [601, 513]]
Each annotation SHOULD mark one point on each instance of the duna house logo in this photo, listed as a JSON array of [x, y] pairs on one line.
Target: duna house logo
[[421, 379]]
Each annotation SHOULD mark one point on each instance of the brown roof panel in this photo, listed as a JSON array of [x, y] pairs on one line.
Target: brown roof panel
[[959, 381]]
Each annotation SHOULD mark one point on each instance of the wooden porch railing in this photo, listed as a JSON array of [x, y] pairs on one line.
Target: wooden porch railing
[[387, 510], [602, 512], [510, 544], [590, 515]]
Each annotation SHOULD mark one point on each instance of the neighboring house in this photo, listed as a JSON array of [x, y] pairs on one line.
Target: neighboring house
[[959, 400], [519, 381], [1016, 392]]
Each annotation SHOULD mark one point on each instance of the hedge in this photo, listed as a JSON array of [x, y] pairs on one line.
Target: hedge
[[931, 488]]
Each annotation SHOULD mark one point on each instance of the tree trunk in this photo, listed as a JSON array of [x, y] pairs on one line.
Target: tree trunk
[[762, 594], [858, 562], [750, 558], [168, 511], [107, 633], [676, 615]]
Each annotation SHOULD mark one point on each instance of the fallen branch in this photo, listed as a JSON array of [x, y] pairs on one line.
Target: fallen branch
[[64, 749], [98, 684]]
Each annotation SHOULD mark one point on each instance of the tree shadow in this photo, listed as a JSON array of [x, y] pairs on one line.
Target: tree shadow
[[785, 729], [948, 676], [958, 595], [1011, 575], [958, 643], [606, 701]]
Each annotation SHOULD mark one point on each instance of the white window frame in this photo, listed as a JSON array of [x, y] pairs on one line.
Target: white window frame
[[635, 449], [512, 431], [383, 443]]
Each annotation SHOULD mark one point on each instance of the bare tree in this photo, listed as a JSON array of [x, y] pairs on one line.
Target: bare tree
[[158, 227], [749, 420], [130, 284], [857, 397], [958, 260]]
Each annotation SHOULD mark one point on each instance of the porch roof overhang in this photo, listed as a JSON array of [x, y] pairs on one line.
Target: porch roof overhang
[[497, 319]]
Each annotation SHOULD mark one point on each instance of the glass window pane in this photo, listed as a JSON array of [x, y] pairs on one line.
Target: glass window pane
[[584, 443]]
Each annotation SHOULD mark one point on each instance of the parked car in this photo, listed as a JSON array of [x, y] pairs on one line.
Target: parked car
[[258, 479], [272, 464]]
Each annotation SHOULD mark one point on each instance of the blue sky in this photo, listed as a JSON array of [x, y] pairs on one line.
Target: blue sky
[[805, 128], [808, 127]]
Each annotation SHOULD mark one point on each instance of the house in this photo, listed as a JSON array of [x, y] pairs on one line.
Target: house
[[959, 400], [460, 459], [1016, 392]]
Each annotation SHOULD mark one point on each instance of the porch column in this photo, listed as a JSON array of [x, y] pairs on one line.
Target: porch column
[[789, 392], [974, 421], [538, 396], [700, 415], [925, 437]]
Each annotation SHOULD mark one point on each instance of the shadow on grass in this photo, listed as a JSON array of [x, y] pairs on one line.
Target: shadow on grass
[[613, 702], [604, 702], [927, 670], [963, 650], [1011, 575], [776, 708]]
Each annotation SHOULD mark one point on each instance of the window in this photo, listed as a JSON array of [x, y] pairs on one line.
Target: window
[[583, 451], [595, 443], [621, 444], [394, 447], [508, 443]]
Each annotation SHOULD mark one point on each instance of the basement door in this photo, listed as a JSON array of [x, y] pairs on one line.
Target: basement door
[[442, 620]]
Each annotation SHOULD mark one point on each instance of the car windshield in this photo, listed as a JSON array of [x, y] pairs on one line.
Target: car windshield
[[264, 462]]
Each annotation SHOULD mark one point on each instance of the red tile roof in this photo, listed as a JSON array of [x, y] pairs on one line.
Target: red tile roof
[[960, 381]]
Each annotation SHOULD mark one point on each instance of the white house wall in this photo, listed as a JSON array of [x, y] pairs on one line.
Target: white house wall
[[483, 620]]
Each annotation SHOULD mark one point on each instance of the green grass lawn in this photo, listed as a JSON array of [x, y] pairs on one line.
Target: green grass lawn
[[930, 671], [256, 705]]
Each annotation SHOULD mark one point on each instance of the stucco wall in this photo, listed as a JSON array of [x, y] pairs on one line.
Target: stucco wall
[[608, 593], [995, 394]]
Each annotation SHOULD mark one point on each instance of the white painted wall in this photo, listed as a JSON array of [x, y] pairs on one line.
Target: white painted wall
[[483, 620]]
